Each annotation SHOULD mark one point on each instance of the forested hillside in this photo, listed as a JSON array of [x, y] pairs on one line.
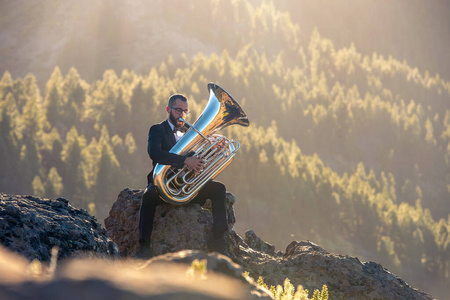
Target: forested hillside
[[349, 150]]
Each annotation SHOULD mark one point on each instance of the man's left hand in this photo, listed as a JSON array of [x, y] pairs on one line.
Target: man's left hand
[[219, 145]]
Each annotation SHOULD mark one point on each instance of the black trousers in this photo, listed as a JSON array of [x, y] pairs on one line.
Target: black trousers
[[213, 190]]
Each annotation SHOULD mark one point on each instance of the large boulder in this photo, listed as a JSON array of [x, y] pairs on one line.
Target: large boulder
[[32, 226], [175, 227]]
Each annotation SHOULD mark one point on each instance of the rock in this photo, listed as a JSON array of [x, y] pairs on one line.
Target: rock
[[175, 227], [32, 226], [170, 276], [254, 242], [303, 262], [122, 222], [311, 266], [216, 263]]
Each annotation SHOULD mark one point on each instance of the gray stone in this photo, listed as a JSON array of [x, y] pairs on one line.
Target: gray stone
[[254, 242], [311, 266], [175, 227], [32, 226]]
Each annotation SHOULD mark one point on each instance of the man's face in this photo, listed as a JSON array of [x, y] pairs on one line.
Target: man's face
[[174, 115]]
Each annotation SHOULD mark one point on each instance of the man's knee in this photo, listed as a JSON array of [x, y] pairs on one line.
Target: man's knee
[[150, 195], [219, 187]]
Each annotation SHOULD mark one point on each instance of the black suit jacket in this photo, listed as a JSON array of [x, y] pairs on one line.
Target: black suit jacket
[[160, 141]]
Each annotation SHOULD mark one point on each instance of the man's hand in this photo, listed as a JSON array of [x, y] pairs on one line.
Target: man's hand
[[194, 163], [220, 145]]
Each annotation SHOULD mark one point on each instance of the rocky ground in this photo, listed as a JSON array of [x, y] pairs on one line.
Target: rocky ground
[[32, 226], [101, 279], [100, 269]]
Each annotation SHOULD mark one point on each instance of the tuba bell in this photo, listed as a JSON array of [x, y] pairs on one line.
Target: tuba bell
[[179, 186]]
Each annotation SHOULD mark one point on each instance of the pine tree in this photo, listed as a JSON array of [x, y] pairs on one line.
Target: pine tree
[[108, 176], [54, 101], [74, 181], [38, 187], [11, 136], [54, 184]]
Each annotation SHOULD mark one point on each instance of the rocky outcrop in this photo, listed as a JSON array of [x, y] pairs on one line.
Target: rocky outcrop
[[175, 228], [32, 226], [307, 264], [170, 276], [303, 262]]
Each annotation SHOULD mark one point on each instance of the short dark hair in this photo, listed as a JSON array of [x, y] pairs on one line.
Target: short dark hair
[[174, 98]]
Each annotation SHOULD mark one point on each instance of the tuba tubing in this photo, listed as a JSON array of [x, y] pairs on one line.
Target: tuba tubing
[[179, 186]]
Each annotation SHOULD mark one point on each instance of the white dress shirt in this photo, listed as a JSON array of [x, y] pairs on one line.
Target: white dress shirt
[[177, 134]]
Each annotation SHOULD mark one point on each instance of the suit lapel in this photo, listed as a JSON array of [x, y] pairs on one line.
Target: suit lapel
[[169, 132]]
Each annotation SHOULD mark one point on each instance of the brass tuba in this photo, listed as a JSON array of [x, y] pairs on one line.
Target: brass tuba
[[179, 186]]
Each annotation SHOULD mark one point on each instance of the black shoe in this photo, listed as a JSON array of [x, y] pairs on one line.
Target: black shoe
[[144, 252], [218, 245]]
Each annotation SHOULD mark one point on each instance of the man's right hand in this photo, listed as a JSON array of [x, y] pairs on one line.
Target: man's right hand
[[194, 163]]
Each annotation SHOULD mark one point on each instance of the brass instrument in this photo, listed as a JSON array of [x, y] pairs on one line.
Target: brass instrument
[[179, 186]]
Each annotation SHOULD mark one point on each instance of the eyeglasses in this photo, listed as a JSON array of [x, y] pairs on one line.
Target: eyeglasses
[[180, 110]]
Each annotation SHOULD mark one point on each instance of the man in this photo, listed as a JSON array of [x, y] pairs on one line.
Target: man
[[161, 138]]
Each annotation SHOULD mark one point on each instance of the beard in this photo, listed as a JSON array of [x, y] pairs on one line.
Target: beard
[[175, 120]]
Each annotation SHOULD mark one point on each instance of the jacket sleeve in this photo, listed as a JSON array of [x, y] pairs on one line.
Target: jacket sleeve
[[156, 151]]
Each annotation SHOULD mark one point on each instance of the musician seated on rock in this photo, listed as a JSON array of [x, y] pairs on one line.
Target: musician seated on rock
[[161, 138]]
